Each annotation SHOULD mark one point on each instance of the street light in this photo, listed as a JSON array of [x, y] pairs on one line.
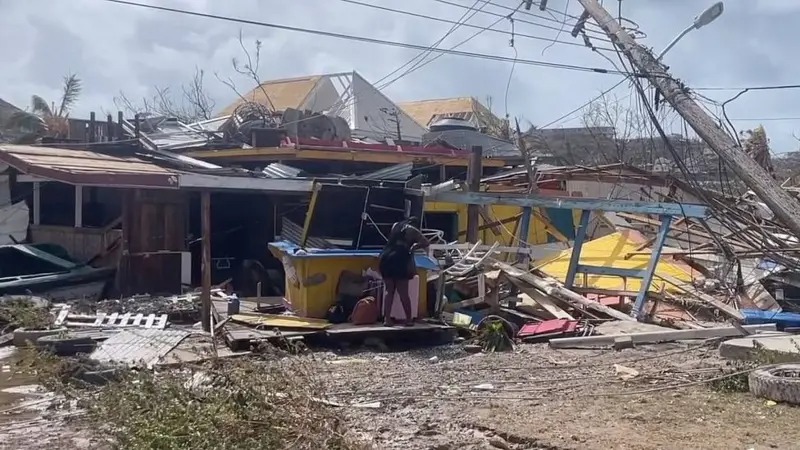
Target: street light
[[705, 18]]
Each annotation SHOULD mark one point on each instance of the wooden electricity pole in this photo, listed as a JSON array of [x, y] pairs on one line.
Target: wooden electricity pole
[[785, 208], [474, 171]]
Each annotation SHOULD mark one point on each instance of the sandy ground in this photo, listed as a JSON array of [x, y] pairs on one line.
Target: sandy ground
[[536, 398]]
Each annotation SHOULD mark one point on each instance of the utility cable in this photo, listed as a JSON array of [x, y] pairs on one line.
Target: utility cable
[[442, 20], [749, 88], [599, 34], [484, 56], [419, 60]]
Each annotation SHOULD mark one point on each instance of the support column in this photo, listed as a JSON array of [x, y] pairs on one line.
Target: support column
[[78, 206], [205, 297], [37, 203], [638, 307], [474, 171], [574, 260]]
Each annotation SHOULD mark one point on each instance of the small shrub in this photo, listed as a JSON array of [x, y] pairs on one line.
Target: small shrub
[[23, 313], [225, 404]]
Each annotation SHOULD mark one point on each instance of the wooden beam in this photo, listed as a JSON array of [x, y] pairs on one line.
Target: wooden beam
[[655, 337], [205, 296], [592, 204], [78, 206], [555, 289]]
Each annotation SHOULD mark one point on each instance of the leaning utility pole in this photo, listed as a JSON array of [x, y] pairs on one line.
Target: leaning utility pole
[[785, 208]]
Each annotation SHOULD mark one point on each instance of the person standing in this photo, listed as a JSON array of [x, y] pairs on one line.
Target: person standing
[[397, 267]]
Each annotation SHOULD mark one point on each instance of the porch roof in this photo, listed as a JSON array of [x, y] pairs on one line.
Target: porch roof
[[91, 168], [85, 167]]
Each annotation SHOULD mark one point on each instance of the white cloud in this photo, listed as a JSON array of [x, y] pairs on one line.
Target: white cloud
[[115, 47]]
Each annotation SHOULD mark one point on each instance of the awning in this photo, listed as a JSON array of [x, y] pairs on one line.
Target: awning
[[88, 168]]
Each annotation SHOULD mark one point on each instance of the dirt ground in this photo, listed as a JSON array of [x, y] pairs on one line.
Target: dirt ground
[[442, 398]]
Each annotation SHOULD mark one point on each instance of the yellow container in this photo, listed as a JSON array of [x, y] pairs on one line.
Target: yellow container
[[312, 276]]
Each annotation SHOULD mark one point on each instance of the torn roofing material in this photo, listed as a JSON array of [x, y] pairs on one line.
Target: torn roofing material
[[466, 139], [397, 172]]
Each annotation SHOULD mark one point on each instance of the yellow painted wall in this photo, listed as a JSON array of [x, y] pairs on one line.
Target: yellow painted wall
[[315, 300], [536, 235]]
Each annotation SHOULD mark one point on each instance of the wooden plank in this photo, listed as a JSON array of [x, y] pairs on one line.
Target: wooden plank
[[655, 337], [62, 315], [537, 298], [546, 303], [112, 319], [451, 307], [138, 319], [150, 319], [554, 288], [99, 320], [123, 322], [162, 322], [689, 289]]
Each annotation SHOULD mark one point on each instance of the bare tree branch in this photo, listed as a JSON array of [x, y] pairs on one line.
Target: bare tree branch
[[192, 105]]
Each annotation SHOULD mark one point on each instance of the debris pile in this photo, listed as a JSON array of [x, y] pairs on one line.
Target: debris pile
[[730, 273]]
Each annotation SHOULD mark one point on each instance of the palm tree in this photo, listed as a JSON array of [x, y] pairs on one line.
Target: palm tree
[[47, 120]]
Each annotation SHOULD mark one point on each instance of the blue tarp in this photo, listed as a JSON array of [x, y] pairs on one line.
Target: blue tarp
[[780, 319]]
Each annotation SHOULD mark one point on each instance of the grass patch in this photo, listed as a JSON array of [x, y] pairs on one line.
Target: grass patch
[[245, 404]]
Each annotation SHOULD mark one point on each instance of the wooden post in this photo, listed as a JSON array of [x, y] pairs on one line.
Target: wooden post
[[120, 133], [109, 128], [78, 206], [525, 223], [92, 127], [474, 172], [205, 297], [37, 203], [136, 125], [785, 208]]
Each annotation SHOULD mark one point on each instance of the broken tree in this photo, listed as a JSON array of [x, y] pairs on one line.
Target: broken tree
[[786, 208]]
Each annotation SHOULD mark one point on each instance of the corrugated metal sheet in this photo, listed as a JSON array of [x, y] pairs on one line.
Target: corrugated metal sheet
[[397, 172], [466, 139], [278, 170], [144, 347], [293, 233]]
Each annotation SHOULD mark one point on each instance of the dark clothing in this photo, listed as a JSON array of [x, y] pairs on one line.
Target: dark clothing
[[396, 262], [397, 258], [397, 267]]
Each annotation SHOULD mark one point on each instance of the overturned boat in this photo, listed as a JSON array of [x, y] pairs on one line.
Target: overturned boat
[[47, 271]]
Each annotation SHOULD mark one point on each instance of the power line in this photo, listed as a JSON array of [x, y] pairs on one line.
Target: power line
[[579, 108], [550, 10], [421, 56], [439, 19], [599, 35], [749, 88], [369, 40], [418, 61], [764, 119]]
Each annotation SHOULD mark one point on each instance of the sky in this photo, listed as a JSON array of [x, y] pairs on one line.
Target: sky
[[116, 48]]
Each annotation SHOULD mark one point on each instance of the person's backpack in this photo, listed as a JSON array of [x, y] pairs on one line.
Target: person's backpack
[[366, 312]]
